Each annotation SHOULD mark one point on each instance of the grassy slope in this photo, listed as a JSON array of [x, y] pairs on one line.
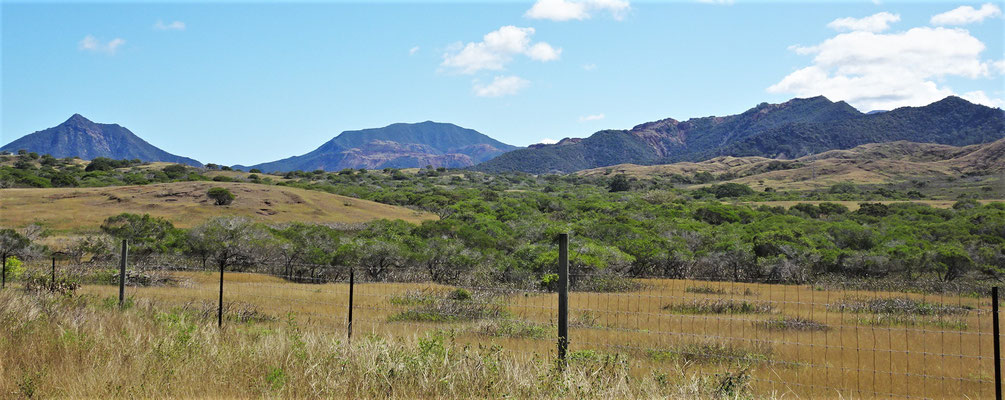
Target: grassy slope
[[867, 164], [186, 204]]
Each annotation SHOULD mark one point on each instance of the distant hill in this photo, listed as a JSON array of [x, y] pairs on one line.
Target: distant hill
[[874, 163], [79, 137], [396, 146], [186, 205], [793, 129]]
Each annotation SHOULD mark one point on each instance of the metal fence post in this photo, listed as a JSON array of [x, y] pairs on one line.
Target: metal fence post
[[219, 311], [352, 279], [3, 280], [997, 338], [563, 297], [122, 274], [53, 273]]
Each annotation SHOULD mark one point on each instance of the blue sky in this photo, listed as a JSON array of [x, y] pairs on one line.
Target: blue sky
[[242, 83]]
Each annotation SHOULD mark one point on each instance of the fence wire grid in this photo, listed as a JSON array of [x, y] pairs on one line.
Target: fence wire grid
[[793, 340]]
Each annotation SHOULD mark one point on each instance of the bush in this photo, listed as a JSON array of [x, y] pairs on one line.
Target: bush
[[15, 268], [844, 187], [222, 196]]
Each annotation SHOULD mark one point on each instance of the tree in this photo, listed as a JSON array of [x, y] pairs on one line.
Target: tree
[[222, 196], [11, 243], [175, 171], [227, 240], [951, 262], [137, 228], [314, 245], [100, 164], [619, 183]]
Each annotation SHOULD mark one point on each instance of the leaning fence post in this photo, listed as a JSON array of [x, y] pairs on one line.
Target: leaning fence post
[[997, 338], [352, 279], [122, 274], [563, 297], [219, 310]]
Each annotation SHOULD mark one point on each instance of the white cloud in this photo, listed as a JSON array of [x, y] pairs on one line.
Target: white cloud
[[547, 141], [565, 10], [593, 117], [92, 44], [497, 49], [999, 66], [173, 26], [413, 50], [718, 2], [966, 15], [589, 67], [501, 86], [543, 52], [885, 71], [874, 23], [979, 97]]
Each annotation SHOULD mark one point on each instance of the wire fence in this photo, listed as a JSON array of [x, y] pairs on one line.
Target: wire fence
[[790, 340]]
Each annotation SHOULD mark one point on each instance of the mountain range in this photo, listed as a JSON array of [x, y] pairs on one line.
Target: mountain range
[[793, 129], [395, 146], [789, 130], [79, 137]]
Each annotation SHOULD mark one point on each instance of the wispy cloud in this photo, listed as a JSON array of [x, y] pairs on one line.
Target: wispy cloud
[[966, 15], [92, 44], [172, 26], [501, 86], [565, 10], [593, 117], [497, 49], [874, 23], [589, 67], [413, 50]]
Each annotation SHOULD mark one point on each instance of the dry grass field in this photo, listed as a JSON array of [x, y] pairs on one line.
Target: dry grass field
[[186, 204], [796, 341], [854, 205], [876, 163]]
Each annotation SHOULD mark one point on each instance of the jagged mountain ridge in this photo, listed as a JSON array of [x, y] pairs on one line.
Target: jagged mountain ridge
[[793, 129]]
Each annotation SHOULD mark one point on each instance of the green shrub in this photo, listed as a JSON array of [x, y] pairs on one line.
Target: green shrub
[[222, 196]]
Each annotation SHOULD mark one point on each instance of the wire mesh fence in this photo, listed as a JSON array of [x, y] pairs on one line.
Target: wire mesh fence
[[787, 339]]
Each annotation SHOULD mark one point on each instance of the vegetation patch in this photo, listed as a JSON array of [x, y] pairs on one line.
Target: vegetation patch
[[516, 329], [720, 306], [898, 306], [711, 353], [454, 306], [791, 324], [707, 289], [886, 320], [232, 311]]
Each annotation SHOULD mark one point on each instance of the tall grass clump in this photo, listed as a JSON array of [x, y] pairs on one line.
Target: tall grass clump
[[720, 306]]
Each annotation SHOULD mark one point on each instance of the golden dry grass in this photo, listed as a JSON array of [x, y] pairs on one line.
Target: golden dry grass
[[875, 163], [186, 205], [943, 356], [84, 347]]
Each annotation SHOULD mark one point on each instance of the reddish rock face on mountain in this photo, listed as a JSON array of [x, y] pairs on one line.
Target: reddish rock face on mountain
[[792, 129], [396, 146]]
